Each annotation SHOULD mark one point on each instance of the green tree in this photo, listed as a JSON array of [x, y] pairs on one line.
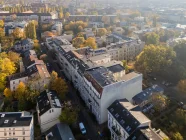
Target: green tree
[[53, 78], [152, 38], [78, 41], [180, 50], [154, 21], [76, 27], [7, 42], [22, 105], [159, 101], [30, 30], [59, 85], [156, 59], [68, 115], [177, 136], [125, 66], [9, 109], [14, 57]]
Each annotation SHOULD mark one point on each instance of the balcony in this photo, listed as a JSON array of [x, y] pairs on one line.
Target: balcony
[[116, 132]]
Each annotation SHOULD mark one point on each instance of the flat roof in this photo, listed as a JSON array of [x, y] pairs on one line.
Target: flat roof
[[102, 75], [14, 119], [116, 68], [128, 76]]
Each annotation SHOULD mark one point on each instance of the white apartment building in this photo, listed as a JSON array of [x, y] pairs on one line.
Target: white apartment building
[[127, 122], [123, 48], [99, 79], [104, 85], [48, 109], [29, 16], [16, 125], [15, 79]]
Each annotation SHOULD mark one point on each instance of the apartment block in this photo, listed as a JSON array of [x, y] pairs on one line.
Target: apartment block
[[127, 122], [48, 109], [23, 45], [16, 125], [123, 48], [99, 79]]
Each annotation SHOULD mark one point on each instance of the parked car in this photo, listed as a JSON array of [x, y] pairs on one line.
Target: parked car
[[82, 128]]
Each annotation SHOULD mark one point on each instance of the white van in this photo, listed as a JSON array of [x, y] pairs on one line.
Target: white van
[[82, 128]]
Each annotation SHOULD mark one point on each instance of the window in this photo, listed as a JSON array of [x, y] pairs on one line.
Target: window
[[14, 82], [5, 134], [23, 132], [13, 133], [52, 110], [23, 138]]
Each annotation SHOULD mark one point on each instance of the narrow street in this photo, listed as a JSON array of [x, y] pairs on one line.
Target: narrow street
[[92, 132]]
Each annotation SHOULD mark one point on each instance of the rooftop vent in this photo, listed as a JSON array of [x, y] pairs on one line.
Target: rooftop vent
[[2, 115], [6, 121]]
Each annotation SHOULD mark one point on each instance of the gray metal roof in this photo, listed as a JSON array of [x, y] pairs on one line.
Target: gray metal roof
[[147, 93], [60, 131], [128, 116]]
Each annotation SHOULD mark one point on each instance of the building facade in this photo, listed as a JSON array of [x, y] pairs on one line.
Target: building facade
[[48, 109], [16, 125], [31, 69], [23, 45], [99, 79], [127, 122]]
